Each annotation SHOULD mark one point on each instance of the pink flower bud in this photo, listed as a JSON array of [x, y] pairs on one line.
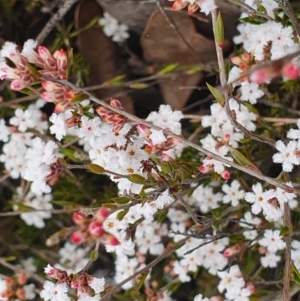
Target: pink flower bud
[[205, 168], [233, 250], [291, 71], [44, 53], [260, 76], [109, 239], [48, 96], [62, 106], [96, 228], [17, 85], [116, 103], [79, 218], [225, 175], [102, 214], [61, 59], [77, 237], [50, 270], [143, 130], [236, 60], [246, 57], [48, 85], [250, 287]]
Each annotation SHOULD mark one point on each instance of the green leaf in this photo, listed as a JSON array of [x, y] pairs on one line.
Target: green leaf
[[111, 206], [95, 168], [69, 61], [138, 86], [295, 275], [79, 98], [162, 215], [116, 81], [33, 71], [216, 93], [242, 160], [250, 107], [142, 278], [284, 230], [94, 255], [219, 31], [137, 179], [121, 214], [67, 204], [9, 258], [168, 69], [122, 200]]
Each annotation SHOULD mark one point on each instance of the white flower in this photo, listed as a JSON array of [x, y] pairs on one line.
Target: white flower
[[200, 298], [55, 292], [4, 131], [272, 241], [286, 155], [258, 199], [23, 120], [112, 28], [58, 126], [166, 119], [233, 193], [157, 137], [86, 297], [270, 260], [97, 284], [251, 92], [206, 6], [206, 198], [29, 291]]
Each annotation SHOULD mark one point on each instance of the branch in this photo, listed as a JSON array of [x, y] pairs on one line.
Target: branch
[[56, 18], [288, 260], [167, 252], [286, 6]]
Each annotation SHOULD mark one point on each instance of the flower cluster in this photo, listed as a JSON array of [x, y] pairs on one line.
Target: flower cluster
[[92, 228], [270, 202], [112, 28], [205, 6], [15, 288], [269, 245], [87, 286]]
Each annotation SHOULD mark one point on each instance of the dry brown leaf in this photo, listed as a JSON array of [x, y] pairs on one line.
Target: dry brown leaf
[[99, 52]]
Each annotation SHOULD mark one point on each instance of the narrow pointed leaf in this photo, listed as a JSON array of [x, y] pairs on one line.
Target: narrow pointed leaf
[[216, 93]]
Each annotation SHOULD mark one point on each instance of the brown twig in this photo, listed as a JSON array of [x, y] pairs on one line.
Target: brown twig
[[56, 18], [223, 81], [166, 253], [286, 6], [20, 270], [288, 259]]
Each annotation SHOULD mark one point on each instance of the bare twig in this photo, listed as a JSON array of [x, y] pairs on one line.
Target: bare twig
[[165, 254], [20, 270], [286, 6], [288, 260], [250, 10], [56, 18], [223, 81]]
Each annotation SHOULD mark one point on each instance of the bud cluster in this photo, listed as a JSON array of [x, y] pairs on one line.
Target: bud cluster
[[82, 281], [15, 288], [92, 228], [117, 120]]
